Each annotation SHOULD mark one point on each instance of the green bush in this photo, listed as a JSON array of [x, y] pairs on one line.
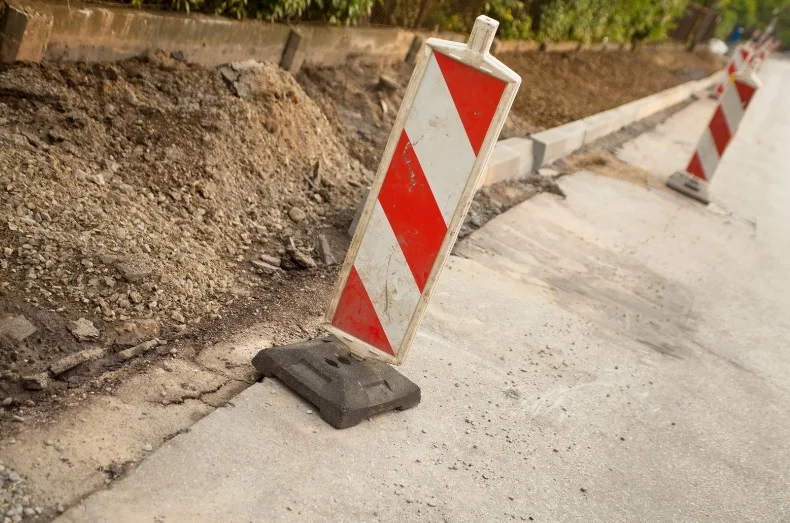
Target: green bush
[[330, 11]]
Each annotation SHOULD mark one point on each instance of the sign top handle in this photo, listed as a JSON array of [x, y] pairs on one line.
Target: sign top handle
[[482, 36]]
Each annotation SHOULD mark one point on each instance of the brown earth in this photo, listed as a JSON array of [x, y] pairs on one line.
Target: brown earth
[[150, 189], [556, 88]]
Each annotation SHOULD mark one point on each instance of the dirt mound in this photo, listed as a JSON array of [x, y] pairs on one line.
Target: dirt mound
[[362, 100], [145, 189], [562, 87], [557, 88]]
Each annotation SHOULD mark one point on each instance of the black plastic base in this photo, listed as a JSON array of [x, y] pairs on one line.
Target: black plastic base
[[690, 186], [343, 389]]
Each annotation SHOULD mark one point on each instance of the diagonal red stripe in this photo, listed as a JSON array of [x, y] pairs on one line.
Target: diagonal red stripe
[[412, 211], [745, 92], [695, 167], [476, 96], [744, 53], [720, 130], [355, 314]]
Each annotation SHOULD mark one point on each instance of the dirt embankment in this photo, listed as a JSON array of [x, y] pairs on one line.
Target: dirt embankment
[[142, 198], [151, 199], [557, 88]]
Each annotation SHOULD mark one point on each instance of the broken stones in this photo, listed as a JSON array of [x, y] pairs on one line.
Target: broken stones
[[301, 259], [83, 330], [134, 270], [271, 260], [137, 350], [75, 359], [15, 328], [387, 83], [326, 251], [36, 381], [133, 333], [263, 267]]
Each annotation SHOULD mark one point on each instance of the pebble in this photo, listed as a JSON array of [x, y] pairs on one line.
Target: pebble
[[29, 511], [297, 214], [7, 401], [60, 508], [148, 447], [13, 476], [177, 317], [49, 443], [271, 260]]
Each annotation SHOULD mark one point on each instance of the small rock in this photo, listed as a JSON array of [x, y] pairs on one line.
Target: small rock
[[137, 350], [583, 489], [84, 330], [75, 359], [387, 83], [7, 401], [297, 214], [177, 317], [18, 419], [98, 179], [13, 476], [166, 366], [148, 447], [36, 381], [15, 328], [271, 260], [326, 251], [134, 270], [79, 174], [60, 508], [264, 267], [49, 442], [29, 512]]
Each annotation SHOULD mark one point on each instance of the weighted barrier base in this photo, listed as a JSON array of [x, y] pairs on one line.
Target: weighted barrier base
[[345, 390], [690, 186]]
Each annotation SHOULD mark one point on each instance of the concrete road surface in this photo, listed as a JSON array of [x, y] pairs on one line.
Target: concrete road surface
[[619, 355]]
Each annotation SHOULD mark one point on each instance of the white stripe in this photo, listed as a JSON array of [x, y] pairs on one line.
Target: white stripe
[[731, 107], [708, 155], [387, 277], [440, 142]]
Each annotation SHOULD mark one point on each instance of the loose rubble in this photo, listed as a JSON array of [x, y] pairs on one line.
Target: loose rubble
[[139, 198]]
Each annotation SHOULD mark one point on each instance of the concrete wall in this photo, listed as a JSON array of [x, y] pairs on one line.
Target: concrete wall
[[73, 31]]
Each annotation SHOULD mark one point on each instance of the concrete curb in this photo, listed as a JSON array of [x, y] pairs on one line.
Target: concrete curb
[[514, 158]]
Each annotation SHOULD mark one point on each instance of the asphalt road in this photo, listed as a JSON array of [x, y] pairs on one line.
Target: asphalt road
[[619, 355]]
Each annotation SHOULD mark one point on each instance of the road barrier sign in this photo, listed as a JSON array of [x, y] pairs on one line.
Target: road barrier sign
[[740, 58], [762, 54], [693, 182], [450, 119]]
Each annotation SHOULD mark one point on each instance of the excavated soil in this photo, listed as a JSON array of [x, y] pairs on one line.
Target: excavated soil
[[556, 88], [156, 190], [157, 201]]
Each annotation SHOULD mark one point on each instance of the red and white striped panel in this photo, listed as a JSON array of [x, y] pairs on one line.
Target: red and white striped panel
[[453, 112], [740, 58], [722, 127], [762, 53]]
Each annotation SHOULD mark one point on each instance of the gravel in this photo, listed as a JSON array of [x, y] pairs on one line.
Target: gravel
[[14, 503]]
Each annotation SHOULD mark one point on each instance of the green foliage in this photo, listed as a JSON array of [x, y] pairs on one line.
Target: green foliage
[[593, 20], [514, 21], [330, 11]]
